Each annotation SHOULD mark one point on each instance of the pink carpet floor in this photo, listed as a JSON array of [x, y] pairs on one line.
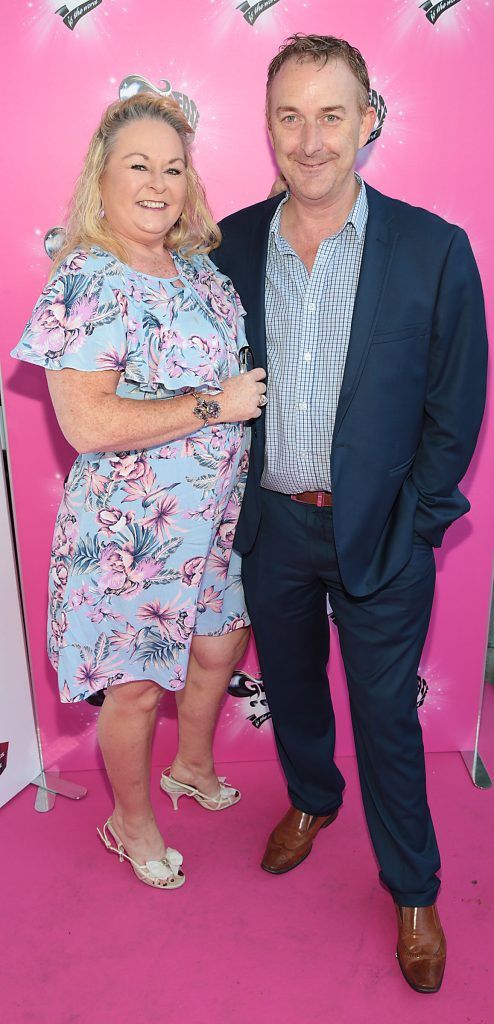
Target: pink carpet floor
[[84, 942]]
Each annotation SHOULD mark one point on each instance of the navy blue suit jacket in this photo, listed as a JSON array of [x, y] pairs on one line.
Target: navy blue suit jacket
[[413, 390]]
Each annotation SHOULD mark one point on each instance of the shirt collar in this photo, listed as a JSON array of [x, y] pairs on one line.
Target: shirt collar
[[360, 209], [357, 217]]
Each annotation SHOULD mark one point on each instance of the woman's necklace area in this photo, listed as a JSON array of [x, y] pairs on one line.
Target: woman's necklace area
[[156, 264]]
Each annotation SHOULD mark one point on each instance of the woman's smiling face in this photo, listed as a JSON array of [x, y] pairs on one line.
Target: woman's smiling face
[[144, 184]]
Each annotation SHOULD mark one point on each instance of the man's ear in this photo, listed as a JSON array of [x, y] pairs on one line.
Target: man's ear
[[366, 125]]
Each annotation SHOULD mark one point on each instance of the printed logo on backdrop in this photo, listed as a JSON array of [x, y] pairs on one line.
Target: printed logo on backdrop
[[134, 84], [248, 689], [72, 12], [377, 101], [4, 749], [251, 693], [422, 690], [130, 86], [433, 10], [253, 11]]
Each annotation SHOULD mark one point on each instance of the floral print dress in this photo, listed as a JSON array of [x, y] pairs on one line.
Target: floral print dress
[[142, 551]]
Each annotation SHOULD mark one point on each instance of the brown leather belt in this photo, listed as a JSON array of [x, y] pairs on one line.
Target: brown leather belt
[[323, 499]]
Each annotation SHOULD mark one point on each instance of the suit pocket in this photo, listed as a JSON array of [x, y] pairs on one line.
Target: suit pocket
[[403, 334]]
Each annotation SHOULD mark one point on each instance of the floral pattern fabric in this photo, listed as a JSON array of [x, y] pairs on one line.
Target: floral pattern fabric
[[142, 553]]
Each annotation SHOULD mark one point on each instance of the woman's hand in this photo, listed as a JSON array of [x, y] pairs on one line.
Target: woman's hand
[[240, 397]]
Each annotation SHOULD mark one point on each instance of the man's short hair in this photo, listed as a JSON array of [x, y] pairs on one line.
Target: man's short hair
[[321, 49]]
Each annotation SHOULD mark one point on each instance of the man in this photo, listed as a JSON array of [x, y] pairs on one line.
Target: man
[[368, 315]]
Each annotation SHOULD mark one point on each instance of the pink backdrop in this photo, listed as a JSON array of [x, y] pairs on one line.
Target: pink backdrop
[[428, 61]]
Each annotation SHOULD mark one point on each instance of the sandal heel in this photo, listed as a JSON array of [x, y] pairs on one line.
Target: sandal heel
[[174, 797], [227, 795]]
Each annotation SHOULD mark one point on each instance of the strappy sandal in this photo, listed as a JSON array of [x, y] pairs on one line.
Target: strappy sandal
[[226, 797], [161, 874]]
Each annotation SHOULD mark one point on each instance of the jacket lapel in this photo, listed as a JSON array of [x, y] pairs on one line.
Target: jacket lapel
[[379, 245]]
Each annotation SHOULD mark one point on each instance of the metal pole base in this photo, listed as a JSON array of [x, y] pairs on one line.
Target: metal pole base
[[50, 785], [476, 769]]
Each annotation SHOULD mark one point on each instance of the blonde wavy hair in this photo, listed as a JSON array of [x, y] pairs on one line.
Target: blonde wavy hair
[[194, 232]]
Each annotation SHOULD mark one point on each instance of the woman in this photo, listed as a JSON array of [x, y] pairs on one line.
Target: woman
[[140, 337]]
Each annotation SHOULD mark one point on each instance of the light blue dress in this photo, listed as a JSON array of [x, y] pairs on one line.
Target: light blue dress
[[142, 551]]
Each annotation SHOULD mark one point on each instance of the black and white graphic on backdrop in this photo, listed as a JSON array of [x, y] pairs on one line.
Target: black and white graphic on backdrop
[[74, 10], [433, 10], [377, 101], [422, 690], [250, 690], [252, 11], [247, 689]]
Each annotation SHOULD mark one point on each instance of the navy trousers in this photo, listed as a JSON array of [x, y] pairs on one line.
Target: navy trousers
[[287, 576]]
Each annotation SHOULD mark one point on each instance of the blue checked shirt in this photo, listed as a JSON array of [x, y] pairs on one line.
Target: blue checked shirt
[[308, 321]]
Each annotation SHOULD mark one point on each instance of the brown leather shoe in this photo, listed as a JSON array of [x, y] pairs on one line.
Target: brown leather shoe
[[291, 841], [421, 947]]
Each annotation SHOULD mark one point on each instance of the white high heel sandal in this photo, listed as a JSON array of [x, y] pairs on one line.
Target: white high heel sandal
[[161, 874], [226, 797]]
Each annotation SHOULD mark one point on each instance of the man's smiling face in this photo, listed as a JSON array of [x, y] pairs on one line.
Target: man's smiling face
[[317, 125]]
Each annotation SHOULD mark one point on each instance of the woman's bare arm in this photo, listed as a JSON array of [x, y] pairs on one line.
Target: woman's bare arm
[[93, 417]]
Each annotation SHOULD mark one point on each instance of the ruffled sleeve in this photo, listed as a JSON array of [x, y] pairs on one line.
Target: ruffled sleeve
[[77, 322]]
